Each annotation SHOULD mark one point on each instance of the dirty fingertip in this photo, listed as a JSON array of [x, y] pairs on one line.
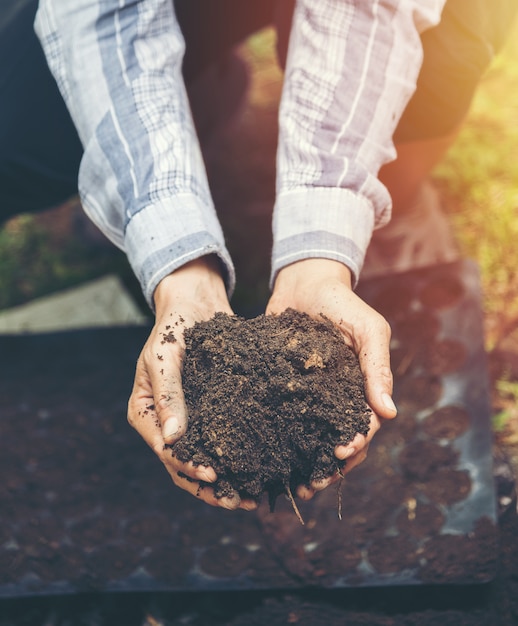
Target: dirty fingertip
[[171, 429], [206, 473], [305, 493], [230, 503], [388, 404], [249, 505], [344, 452], [320, 485]]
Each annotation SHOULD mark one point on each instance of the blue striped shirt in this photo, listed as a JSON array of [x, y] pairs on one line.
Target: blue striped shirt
[[352, 67]]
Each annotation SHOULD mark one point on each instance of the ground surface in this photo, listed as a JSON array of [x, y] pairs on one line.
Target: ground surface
[[488, 605]]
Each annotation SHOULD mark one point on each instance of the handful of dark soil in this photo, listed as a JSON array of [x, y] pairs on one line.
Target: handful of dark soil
[[268, 400]]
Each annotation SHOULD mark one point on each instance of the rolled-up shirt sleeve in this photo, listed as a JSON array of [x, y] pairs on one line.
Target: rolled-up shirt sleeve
[[352, 66], [142, 180]]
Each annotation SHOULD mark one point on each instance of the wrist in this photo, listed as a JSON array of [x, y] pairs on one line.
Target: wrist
[[199, 280], [311, 271], [306, 284]]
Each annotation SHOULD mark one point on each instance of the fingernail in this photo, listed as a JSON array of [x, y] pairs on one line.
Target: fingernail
[[388, 403], [230, 503], [206, 473], [348, 452], [171, 428]]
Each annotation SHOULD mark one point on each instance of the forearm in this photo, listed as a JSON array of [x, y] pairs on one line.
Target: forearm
[[351, 69], [142, 177]]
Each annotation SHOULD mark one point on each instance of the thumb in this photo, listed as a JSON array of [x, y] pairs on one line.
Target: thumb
[[162, 378], [156, 408], [374, 357], [169, 403]]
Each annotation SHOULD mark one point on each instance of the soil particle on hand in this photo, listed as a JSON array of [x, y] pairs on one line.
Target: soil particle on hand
[[168, 337], [268, 400]]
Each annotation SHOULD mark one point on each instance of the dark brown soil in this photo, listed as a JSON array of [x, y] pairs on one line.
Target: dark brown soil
[[423, 459], [448, 422], [417, 327], [114, 561], [447, 486], [419, 520], [268, 400], [446, 549], [225, 560], [442, 292], [443, 356], [390, 555], [168, 563], [419, 392]]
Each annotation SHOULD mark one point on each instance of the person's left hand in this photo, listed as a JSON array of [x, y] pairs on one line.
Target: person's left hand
[[156, 408], [321, 286]]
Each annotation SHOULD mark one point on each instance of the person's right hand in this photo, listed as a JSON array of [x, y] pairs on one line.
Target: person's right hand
[[323, 287], [156, 408]]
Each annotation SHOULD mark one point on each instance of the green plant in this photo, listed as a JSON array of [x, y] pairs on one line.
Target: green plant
[[505, 420]]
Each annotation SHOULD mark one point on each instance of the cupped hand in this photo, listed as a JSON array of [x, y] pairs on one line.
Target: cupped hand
[[323, 287], [156, 408]]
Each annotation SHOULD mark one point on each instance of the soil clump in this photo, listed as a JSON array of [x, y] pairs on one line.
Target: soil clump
[[269, 398]]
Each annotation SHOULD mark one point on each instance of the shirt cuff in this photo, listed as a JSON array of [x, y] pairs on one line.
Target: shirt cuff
[[326, 223], [164, 236]]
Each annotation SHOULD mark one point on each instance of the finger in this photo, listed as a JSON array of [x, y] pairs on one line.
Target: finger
[[344, 452], [304, 492], [320, 485], [143, 418], [142, 415], [248, 505], [163, 366], [148, 426], [146, 422], [195, 472], [359, 442], [374, 357], [206, 494], [355, 460]]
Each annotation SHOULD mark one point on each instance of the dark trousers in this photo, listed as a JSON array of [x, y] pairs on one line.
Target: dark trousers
[[39, 148]]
